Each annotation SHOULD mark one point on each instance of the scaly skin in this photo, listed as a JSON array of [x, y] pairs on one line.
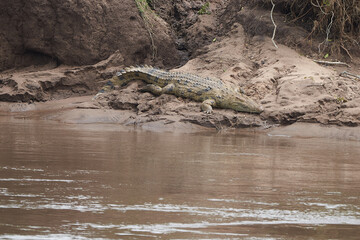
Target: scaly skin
[[211, 92]]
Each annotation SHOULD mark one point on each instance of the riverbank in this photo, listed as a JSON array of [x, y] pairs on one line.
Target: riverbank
[[83, 112], [289, 85]]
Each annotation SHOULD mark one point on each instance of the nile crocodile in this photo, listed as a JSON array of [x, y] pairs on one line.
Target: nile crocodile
[[209, 91]]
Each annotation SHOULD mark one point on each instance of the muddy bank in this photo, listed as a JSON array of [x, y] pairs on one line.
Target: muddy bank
[[290, 87], [80, 32], [83, 111]]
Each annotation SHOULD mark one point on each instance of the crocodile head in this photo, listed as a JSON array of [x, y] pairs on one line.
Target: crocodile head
[[241, 103]]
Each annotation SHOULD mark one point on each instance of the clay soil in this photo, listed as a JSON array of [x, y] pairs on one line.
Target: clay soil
[[232, 42]]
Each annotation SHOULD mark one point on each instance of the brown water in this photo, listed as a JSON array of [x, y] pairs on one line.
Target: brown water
[[62, 181]]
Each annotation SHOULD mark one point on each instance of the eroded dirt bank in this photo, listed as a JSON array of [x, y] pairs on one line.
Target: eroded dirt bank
[[290, 87]]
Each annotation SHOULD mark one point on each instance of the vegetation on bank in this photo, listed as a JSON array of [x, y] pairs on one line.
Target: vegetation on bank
[[205, 9], [149, 17], [337, 22]]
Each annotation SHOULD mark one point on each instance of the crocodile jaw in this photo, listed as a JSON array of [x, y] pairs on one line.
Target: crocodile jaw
[[242, 103]]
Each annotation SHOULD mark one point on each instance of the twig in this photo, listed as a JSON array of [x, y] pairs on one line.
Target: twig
[[318, 5], [295, 19], [272, 19], [316, 85], [331, 63], [326, 40], [347, 51], [345, 73], [328, 28]]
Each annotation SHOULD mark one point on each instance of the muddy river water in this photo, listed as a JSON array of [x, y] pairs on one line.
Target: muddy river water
[[68, 181]]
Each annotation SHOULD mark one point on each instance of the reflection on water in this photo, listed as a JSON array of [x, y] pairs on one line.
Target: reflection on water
[[62, 181]]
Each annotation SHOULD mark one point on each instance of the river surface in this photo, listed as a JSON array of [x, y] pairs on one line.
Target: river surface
[[68, 181]]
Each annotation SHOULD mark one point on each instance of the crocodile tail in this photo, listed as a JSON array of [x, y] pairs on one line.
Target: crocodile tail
[[124, 76], [106, 88]]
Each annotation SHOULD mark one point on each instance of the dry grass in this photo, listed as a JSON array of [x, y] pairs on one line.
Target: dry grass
[[337, 22]]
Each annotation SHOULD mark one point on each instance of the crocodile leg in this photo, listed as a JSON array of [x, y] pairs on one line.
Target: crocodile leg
[[156, 90], [169, 89], [206, 106]]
